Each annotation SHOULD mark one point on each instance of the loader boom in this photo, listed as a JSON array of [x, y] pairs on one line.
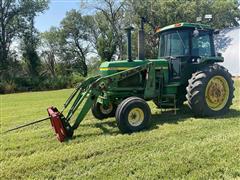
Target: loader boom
[[88, 92]]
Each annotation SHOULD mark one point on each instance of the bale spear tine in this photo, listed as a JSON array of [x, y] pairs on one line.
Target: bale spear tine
[[28, 124]]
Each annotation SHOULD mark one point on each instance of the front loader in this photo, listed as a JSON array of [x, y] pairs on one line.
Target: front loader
[[187, 69], [89, 95]]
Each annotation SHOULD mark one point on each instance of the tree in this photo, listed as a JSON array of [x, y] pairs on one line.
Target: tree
[[106, 43], [225, 13], [13, 18], [29, 46], [76, 36], [111, 13], [106, 46], [108, 31], [51, 48]]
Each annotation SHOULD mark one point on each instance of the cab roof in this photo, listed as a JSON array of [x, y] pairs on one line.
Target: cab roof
[[184, 25]]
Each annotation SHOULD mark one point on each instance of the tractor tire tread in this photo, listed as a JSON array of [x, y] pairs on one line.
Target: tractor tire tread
[[196, 90], [122, 124]]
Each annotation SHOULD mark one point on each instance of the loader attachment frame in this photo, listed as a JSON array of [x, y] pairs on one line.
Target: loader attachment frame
[[90, 90]]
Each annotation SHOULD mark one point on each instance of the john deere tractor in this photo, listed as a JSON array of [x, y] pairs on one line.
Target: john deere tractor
[[187, 68]]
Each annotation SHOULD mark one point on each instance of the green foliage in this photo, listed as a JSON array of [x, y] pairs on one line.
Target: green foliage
[[94, 66], [106, 28], [58, 82], [176, 147], [7, 87], [225, 13], [76, 36], [14, 17], [162, 13], [67, 44], [106, 46], [76, 79], [21, 84], [29, 54], [52, 46]]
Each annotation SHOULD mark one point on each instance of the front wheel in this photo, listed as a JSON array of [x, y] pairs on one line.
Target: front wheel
[[133, 114], [100, 111], [210, 91]]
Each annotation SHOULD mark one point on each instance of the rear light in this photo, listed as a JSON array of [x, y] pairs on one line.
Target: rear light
[[178, 25], [158, 30]]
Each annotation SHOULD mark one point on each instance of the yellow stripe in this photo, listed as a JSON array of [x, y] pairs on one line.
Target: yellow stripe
[[161, 68], [113, 68], [123, 68]]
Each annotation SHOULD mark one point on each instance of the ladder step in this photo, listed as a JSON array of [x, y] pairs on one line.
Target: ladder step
[[168, 104]]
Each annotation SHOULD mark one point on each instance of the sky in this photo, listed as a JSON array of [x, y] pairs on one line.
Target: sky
[[55, 13]]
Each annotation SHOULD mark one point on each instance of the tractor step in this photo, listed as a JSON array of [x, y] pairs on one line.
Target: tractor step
[[168, 103]]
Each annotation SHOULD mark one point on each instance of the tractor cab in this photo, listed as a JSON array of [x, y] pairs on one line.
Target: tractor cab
[[185, 45]]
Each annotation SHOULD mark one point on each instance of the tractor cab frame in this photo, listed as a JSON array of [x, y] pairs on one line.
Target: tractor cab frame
[[186, 46]]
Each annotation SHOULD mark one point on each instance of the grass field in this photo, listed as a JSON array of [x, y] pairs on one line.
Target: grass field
[[175, 147]]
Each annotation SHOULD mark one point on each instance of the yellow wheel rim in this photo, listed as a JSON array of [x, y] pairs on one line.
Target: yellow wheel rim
[[106, 110], [136, 117], [217, 93]]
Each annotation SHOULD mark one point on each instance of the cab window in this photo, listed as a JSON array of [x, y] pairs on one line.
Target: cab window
[[174, 43], [201, 45]]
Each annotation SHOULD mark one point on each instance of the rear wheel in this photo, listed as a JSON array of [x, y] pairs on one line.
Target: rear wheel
[[210, 91], [100, 111], [133, 114]]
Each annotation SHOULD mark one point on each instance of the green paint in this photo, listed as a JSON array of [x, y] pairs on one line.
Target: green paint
[[150, 79]]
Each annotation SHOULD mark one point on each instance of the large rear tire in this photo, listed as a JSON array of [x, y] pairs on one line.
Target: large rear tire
[[133, 114], [210, 91]]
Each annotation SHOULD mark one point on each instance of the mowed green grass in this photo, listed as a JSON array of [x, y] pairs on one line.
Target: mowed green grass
[[174, 147]]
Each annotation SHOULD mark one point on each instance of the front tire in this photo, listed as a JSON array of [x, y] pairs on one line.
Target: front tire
[[210, 91], [133, 114], [100, 112]]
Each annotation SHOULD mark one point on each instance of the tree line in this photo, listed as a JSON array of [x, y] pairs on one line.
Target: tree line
[[64, 55]]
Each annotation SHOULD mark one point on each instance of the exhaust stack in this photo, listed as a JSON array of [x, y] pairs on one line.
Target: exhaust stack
[[141, 39], [129, 45]]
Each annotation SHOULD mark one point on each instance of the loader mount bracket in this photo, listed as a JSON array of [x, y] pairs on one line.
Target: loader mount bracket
[[59, 124]]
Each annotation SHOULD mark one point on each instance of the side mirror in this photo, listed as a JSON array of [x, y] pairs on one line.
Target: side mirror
[[195, 33], [219, 54]]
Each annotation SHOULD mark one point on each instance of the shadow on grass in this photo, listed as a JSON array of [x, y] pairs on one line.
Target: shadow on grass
[[105, 126], [183, 114], [168, 116], [233, 113], [102, 126]]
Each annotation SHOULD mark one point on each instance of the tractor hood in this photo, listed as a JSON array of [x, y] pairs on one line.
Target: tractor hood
[[111, 67]]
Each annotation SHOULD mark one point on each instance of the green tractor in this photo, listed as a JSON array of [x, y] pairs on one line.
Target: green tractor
[[187, 69]]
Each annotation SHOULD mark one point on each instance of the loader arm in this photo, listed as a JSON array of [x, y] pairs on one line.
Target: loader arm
[[86, 95]]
